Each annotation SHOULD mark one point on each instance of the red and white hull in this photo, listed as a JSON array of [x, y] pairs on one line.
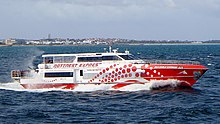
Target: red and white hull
[[131, 77], [106, 71]]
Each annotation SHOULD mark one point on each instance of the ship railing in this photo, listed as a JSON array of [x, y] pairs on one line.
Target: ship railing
[[171, 62]]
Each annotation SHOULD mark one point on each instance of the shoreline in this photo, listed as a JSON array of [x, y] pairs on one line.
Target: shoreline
[[131, 44]]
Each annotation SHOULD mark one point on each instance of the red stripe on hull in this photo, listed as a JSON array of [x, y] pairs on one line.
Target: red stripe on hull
[[128, 82], [117, 86], [49, 86]]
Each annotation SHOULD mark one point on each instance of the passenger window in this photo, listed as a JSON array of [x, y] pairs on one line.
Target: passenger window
[[48, 60], [58, 59], [89, 59], [59, 74], [108, 58], [68, 59], [64, 59]]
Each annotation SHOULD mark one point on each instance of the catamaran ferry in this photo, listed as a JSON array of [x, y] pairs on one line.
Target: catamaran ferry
[[106, 71]]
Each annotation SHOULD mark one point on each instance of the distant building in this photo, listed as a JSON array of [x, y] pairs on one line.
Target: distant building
[[87, 42], [10, 41]]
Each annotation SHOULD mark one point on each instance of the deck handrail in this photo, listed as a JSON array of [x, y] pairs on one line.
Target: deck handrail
[[171, 62]]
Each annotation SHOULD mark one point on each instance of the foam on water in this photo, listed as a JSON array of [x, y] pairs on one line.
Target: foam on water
[[164, 83], [11, 86]]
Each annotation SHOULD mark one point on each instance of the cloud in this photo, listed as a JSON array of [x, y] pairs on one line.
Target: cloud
[[79, 8], [142, 19]]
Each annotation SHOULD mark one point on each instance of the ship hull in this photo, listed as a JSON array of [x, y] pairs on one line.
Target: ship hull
[[103, 86], [130, 77]]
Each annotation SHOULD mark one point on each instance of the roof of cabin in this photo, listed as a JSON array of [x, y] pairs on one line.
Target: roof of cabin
[[85, 54]]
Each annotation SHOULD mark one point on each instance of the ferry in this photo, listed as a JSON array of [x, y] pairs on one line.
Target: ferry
[[109, 70]]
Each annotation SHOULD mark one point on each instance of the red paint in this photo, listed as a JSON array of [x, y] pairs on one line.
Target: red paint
[[117, 86], [128, 70], [119, 77], [137, 74], [134, 68], [128, 82], [126, 75], [119, 72], [47, 86]]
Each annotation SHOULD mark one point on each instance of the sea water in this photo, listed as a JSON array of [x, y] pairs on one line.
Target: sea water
[[199, 104]]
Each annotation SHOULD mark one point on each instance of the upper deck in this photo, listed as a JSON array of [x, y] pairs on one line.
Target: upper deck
[[88, 57]]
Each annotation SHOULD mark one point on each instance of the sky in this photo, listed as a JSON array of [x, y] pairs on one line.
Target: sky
[[127, 19]]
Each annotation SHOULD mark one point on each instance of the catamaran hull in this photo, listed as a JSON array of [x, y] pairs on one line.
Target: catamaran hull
[[125, 77], [145, 80], [116, 86], [104, 87]]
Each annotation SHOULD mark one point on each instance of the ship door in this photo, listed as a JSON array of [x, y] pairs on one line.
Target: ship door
[[79, 76]]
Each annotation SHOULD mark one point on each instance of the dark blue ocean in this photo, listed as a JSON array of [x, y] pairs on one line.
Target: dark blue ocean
[[199, 104]]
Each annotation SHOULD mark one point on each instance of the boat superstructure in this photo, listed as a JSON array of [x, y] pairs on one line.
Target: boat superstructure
[[105, 71]]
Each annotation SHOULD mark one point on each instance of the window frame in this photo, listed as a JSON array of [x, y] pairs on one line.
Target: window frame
[[58, 74]]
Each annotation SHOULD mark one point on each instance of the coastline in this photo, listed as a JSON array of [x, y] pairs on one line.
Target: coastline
[[131, 44]]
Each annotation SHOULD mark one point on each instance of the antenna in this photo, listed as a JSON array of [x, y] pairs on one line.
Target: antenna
[[126, 51], [110, 48], [105, 50]]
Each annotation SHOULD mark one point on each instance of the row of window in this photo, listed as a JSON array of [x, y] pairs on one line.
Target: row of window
[[106, 58], [70, 59], [59, 59], [98, 59], [59, 74]]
